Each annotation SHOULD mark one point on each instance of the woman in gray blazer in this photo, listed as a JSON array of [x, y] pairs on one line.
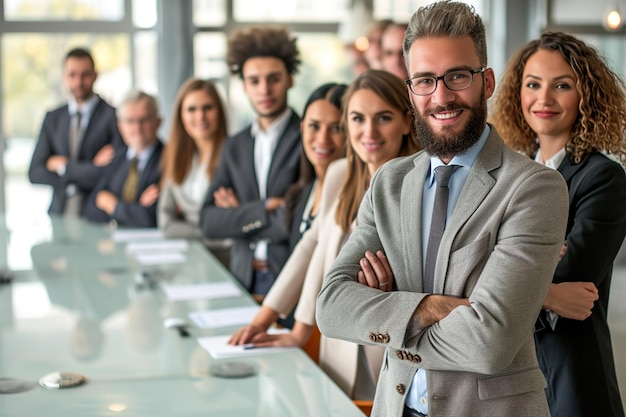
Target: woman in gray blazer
[[377, 119], [196, 138]]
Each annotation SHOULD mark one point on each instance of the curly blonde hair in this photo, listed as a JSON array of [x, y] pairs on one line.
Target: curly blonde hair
[[601, 123]]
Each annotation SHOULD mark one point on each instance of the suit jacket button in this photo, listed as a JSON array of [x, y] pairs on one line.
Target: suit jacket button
[[399, 355], [410, 357], [379, 338], [385, 338], [417, 359], [400, 388], [372, 337], [257, 224]]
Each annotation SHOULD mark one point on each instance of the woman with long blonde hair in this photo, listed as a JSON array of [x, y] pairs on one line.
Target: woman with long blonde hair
[[197, 134]]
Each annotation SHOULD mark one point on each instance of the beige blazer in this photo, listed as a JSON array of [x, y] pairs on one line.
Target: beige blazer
[[301, 279], [175, 224], [500, 248]]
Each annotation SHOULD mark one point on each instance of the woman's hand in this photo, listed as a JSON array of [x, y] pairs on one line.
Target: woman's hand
[[375, 271], [298, 336], [572, 300], [246, 334]]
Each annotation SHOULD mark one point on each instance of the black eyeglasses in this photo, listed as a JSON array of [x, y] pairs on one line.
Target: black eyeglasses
[[454, 80]]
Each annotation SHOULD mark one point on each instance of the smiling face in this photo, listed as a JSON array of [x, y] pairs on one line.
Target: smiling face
[[266, 81], [449, 122], [199, 115], [549, 97], [375, 128], [322, 137]]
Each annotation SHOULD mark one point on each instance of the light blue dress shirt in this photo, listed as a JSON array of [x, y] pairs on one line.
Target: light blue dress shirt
[[417, 396], [86, 110], [142, 157]]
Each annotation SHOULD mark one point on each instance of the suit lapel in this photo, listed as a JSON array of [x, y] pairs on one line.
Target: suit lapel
[[568, 168], [151, 166], [65, 122], [411, 203], [246, 149], [283, 150], [478, 184], [94, 118]]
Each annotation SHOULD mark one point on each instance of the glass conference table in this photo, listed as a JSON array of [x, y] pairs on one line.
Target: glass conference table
[[73, 300]]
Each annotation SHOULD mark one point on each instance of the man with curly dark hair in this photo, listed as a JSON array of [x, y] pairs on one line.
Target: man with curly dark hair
[[258, 164]]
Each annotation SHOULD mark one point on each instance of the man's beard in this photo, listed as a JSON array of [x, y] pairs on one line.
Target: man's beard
[[448, 144]]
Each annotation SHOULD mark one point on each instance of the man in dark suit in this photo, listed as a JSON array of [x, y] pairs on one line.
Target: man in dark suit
[[128, 190], [77, 140], [258, 164]]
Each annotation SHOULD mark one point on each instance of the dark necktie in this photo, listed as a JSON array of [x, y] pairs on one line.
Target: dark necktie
[[129, 193], [438, 224], [74, 198], [74, 135]]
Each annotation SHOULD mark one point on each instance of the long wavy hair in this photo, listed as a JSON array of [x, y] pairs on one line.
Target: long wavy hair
[[393, 91], [180, 148], [601, 123]]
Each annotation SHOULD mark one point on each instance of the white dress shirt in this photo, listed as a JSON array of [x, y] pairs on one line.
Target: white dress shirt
[[265, 142]]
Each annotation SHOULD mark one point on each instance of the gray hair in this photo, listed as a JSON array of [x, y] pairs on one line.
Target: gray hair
[[446, 18], [137, 96]]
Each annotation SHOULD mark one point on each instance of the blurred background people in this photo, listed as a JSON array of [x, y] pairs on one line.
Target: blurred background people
[[128, 190], [373, 54], [559, 103], [197, 134], [77, 140], [391, 45]]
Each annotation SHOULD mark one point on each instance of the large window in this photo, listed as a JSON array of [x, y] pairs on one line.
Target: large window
[[34, 37], [134, 47]]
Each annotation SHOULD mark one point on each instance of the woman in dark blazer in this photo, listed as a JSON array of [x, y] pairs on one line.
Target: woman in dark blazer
[[560, 103], [322, 143]]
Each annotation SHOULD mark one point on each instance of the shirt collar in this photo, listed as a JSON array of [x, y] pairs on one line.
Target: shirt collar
[[275, 128], [553, 162], [466, 159], [85, 109], [144, 155]]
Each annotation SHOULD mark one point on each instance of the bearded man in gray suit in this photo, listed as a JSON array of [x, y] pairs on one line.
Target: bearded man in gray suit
[[458, 318]]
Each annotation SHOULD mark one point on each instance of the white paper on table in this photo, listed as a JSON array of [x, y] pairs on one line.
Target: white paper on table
[[206, 290], [126, 235], [160, 258], [171, 245], [218, 347], [224, 317]]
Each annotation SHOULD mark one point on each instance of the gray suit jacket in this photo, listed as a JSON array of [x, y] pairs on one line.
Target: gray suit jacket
[[54, 140], [499, 249], [250, 222]]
